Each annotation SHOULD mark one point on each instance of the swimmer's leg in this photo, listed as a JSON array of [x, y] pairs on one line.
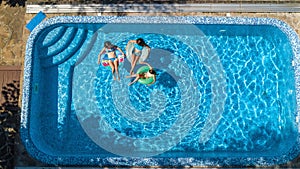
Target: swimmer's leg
[[112, 66], [135, 80], [116, 64], [130, 76], [133, 63]]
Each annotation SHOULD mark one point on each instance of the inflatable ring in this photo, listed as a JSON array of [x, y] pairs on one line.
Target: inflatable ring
[[105, 60], [144, 69], [129, 51]]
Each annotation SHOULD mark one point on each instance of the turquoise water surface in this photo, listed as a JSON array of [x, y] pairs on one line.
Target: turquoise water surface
[[221, 91]]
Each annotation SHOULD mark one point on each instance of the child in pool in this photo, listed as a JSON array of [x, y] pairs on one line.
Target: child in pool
[[139, 44], [145, 75], [113, 60]]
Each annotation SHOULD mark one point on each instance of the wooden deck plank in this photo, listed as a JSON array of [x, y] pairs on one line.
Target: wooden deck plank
[[8, 74]]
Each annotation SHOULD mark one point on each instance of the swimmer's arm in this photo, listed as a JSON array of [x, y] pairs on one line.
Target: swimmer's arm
[[99, 56], [154, 79], [131, 41], [148, 48], [121, 51], [145, 63]]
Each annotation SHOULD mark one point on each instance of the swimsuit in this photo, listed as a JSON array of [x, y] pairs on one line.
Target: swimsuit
[[137, 50], [112, 59], [144, 75], [108, 51]]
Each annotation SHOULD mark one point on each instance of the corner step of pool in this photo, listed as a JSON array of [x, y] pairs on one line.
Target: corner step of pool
[[69, 49]]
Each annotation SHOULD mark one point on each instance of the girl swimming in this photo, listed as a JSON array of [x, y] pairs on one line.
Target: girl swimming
[[145, 75], [139, 45], [110, 50]]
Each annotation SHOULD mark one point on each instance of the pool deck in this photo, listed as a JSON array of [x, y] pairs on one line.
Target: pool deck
[[13, 34]]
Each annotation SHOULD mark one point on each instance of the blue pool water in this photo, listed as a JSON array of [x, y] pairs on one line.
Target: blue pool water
[[225, 94]]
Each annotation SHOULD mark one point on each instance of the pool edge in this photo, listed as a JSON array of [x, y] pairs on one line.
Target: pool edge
[[99, 19]]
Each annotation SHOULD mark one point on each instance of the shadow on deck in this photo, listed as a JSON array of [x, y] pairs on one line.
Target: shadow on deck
[[9, 113]]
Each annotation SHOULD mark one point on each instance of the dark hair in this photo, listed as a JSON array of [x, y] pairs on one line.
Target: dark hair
[[152, 71], [109, 45], [141, 42]]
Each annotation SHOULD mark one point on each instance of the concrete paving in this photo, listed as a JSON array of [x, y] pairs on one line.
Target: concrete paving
[[11, 42], [166, 8]]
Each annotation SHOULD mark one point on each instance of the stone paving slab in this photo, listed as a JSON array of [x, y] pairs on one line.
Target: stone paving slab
[[11, 44]]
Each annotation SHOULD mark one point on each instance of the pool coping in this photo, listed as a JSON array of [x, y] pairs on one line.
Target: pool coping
[[292, 35], [142, 8]]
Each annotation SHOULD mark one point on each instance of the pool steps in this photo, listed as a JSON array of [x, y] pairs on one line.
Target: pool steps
[[77, 37], [53, 40], [65, 126], [81, 40], [67, 116], [63, 43], [88, 49], [84, 43], [131, 8]]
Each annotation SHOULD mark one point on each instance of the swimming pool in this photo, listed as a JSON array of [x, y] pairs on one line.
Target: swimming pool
[[226, 93]]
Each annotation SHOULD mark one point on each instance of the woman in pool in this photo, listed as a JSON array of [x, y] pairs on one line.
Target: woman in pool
[[110, 50], [145, 75], [139, 45]]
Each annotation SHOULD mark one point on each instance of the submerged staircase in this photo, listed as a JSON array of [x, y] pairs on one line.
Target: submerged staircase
[[61, 49]]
